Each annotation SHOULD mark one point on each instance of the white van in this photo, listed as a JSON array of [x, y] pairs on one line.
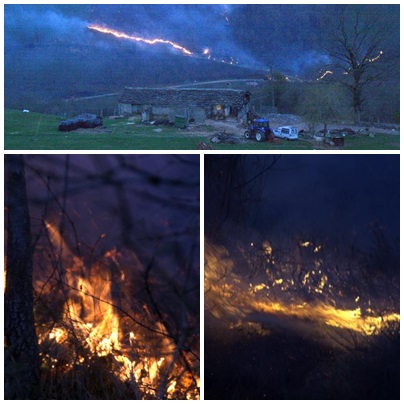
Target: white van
[[286, 132]]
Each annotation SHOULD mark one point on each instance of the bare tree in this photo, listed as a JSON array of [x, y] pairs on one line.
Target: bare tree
[[359, 52], [21, 358], [233, 183]]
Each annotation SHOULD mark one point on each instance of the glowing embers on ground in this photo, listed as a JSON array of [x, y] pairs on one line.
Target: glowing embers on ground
[[122, 35], [299, 285], [91, 334]]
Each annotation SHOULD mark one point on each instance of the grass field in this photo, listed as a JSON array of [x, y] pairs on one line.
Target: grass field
[[32, 131]]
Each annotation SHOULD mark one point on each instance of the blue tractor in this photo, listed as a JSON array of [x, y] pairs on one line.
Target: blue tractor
[[259, 130]]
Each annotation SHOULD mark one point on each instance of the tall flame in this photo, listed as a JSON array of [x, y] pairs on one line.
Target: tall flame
[[90, 312]]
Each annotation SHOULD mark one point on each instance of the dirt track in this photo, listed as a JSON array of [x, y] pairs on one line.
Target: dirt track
[[232, 126]]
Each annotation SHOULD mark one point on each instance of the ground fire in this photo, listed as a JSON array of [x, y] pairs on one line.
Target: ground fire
[[115, 311], [136, 345], [205, 53], [303, 285]]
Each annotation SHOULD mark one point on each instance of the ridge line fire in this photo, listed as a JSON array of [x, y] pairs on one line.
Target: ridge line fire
[[205, 54]]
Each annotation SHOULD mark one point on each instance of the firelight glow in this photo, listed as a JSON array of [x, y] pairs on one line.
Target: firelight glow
[[228, 296], [376, 57], [118, 34]]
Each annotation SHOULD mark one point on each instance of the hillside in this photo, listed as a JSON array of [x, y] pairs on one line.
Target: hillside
[[40, 75]]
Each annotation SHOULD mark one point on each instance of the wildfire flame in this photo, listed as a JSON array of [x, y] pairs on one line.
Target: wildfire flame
[[204, 54], [347, 72], [371, 60], [118, 34], [89, 312], [325, 74], [228, 297]]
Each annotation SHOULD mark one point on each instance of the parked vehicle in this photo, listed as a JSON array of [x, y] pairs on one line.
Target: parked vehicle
[[287, 132], [259, 130]]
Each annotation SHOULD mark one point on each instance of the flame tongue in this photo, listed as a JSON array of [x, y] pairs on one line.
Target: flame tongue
[[91, 328]]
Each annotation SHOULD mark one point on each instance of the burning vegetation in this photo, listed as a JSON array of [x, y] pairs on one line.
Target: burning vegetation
[[299, 307], [113, 323], [317, 307], [131, 341], [307, 283]]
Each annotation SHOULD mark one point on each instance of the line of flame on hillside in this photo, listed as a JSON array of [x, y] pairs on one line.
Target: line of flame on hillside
[[136, 345], [348, 71], [289, 288], [154, 41], [206, 53]]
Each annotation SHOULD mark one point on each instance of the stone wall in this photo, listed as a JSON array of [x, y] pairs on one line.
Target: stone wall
[[204, 98]]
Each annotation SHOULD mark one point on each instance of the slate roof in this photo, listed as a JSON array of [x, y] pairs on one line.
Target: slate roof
[[165, 97]]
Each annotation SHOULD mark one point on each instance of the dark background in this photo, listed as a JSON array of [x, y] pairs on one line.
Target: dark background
[[334, 196], [338, 195], [140, 202]]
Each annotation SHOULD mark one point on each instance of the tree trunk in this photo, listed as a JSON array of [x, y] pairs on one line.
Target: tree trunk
[[325, 130], [357, 101], [21, 355]]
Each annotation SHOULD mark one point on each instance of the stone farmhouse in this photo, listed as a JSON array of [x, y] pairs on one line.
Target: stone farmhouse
[[195, 105]]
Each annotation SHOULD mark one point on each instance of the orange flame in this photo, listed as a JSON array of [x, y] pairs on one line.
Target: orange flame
[[89, 309], [226, 296], [118, 34]]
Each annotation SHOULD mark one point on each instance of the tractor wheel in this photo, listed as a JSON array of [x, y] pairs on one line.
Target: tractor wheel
[[247, 134], [259, 137]]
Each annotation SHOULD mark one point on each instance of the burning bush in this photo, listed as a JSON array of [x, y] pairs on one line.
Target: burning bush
[[300, 320], [119, 349], [307, 279], [113, 324]]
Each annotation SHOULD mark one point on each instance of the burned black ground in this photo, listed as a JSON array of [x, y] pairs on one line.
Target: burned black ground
[[284, 365]]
